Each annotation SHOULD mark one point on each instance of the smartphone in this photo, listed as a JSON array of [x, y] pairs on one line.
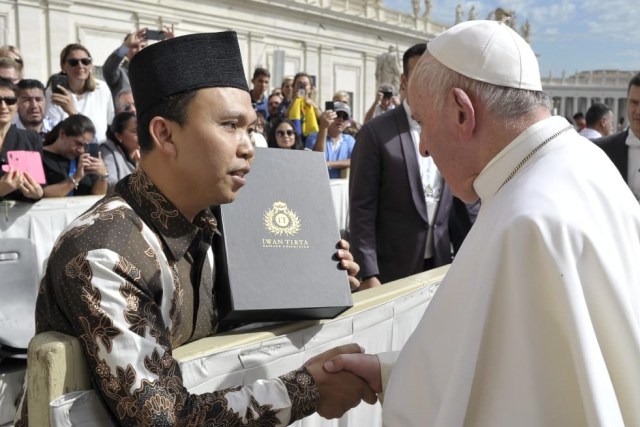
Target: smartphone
[[59, 80], [93, 148], [329, 105], [154, 35]]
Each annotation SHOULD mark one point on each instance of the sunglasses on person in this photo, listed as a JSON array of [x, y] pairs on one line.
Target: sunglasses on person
[[18, 60], [282, 133], [9, 100], [75, 61], [342, 115]]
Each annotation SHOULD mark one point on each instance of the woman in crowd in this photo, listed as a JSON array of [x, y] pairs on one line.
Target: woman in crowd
[[121, 152], [70, 171], [283, 135], [15, 185], [84, 94]]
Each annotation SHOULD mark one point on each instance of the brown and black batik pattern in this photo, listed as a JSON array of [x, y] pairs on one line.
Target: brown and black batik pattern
[[119, 279]]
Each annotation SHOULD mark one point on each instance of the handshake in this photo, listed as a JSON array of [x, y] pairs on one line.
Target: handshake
[[344, 376]]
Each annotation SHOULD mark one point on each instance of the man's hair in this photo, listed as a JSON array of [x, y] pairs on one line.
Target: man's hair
[[413, 51], [259, 72], [595, 113], [26, 84], [635, 81], [75, 125], [273, 95], [500, 101], [578, 116], [173, 107], [301, 74], [8, 84]]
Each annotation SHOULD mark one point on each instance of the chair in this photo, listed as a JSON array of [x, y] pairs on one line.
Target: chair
[[17, 319], [17, 306]]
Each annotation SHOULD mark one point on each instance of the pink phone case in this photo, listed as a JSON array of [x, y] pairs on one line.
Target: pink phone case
[[26, 161]]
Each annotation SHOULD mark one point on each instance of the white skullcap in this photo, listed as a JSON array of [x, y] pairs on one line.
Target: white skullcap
[[490, 52]]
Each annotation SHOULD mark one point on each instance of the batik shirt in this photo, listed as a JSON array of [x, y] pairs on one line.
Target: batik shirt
[[132, 279]]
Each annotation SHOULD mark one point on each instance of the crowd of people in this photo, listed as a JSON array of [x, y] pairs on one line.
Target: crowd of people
[[537, 321], [72, 168]]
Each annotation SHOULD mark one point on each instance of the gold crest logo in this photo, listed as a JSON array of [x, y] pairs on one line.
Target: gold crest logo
[[281, 220]]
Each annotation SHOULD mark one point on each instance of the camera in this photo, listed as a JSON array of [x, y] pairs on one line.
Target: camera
[[154, 35], [387, 95]]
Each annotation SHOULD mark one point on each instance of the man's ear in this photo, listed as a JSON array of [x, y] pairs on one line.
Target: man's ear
[[160, 130], [465, 113]]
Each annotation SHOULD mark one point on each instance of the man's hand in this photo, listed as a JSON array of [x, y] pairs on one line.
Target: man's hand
[[341, 391], [371, 282], [366, 366], [326, 119], [347, 263], [136, 40]]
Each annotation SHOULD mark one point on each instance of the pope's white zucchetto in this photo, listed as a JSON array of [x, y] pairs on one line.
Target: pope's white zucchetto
[[490, 52]]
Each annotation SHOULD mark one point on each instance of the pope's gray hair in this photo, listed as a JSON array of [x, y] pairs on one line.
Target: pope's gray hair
[[500, 101]]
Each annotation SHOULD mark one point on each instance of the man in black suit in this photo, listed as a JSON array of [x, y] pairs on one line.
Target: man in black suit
[[403, 217], [624, 148]]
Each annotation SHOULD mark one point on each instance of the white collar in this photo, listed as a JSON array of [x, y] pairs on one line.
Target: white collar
[[496, 171], [413, 125], [632, 140]]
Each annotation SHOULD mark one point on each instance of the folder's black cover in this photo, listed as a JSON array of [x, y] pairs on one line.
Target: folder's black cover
[[279, 236]]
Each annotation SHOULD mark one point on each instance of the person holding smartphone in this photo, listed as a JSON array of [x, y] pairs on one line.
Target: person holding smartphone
[[116, 67], [385, 101], [82, 93], [15, 185], [303, 111], [69, 166]]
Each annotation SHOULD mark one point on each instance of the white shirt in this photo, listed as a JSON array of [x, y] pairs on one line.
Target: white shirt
[[633, 170], [590, 133], [97, 105], [537, 322], [431, 179]]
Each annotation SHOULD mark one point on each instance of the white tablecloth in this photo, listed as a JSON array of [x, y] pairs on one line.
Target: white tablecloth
[[41, 222], [340, 193]]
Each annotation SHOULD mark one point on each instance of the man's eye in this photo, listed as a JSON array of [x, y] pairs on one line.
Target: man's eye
[[230, 125], [251, 130]]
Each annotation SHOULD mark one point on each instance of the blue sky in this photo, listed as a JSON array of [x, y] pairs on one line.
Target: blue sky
[[567, 35]]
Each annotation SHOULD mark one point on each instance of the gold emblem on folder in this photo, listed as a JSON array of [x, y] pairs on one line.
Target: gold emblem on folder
[[281, 220]]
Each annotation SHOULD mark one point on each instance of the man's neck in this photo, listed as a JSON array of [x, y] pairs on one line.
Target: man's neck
[[34, 126]]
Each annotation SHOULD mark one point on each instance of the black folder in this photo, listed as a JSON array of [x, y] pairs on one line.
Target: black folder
[[279, 237]]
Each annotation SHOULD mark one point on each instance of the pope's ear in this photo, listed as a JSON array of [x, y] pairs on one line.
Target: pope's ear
[[160, 130], [465, 113]]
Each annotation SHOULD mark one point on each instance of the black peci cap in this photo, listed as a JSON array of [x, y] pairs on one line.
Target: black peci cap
[[185, 63]]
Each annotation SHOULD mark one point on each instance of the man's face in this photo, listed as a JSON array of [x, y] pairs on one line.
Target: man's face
[[438, 138], [287, 88], [633, 109], [607, 124], [260, 84], [213, 148], [404, 78], [274, 103], [126, 103], [31, 106]]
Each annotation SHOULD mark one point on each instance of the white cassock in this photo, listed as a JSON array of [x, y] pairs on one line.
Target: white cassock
[[537, 322]]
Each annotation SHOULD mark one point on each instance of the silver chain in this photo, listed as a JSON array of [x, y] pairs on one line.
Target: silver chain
[[531, 153]]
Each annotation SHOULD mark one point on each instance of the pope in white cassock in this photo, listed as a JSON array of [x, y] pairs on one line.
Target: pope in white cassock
[[537, 322]]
